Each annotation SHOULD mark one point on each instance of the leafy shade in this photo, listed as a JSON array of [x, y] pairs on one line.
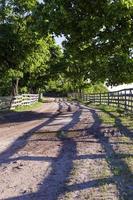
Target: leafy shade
[[98, 35]]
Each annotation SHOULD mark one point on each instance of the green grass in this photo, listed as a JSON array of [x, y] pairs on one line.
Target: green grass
[[29, 107], [109, 114], [22, 108], [121, 159]]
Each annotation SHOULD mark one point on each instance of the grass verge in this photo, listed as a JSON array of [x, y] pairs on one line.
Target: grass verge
[[22, 108], [109, 115], [28, 107]]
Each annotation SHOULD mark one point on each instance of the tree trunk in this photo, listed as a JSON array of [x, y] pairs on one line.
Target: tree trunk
[[15, 87]]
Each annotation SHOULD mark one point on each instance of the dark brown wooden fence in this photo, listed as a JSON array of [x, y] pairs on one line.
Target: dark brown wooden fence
[[122, 98]]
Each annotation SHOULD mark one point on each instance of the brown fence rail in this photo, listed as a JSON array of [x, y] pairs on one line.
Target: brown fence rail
[[122, 98]]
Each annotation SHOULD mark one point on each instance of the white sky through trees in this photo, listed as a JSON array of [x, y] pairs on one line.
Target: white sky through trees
[[59, 40]]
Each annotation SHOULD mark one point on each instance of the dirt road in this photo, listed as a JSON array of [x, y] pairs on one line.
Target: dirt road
[[58, 152], [13, 125]]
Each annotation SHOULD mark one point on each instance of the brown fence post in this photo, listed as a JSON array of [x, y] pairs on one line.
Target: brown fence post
[[108, 98], [100, 98], [131, 100], [121, 99], [118, 99], [125, 101]]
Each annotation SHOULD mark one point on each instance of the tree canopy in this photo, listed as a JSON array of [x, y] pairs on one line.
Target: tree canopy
[[98, 46], [25, 55], [99, 35]]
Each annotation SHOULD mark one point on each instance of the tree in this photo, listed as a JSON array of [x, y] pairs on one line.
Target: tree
[[98, 31], [41, 65], [16, 38]]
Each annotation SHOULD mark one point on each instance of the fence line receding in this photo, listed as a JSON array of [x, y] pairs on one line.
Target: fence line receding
[[122, 98]]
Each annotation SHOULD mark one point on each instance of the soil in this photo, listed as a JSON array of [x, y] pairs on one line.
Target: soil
[[57, 152]]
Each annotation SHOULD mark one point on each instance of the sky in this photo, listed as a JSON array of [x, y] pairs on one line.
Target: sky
[[120, 87], [59, 40]]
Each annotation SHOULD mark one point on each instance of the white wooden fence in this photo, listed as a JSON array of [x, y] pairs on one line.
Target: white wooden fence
[[7, 103]]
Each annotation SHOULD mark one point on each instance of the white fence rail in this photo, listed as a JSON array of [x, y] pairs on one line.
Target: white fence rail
[[7, 103]]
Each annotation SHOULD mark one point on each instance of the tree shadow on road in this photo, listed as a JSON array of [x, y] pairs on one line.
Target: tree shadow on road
[[55, 184], [61, 166]]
